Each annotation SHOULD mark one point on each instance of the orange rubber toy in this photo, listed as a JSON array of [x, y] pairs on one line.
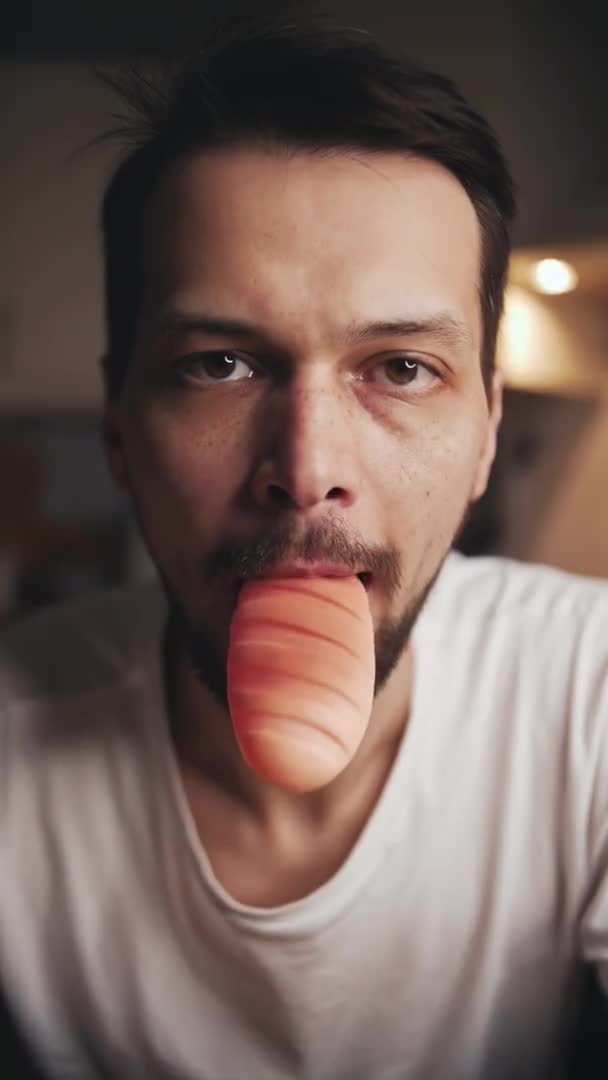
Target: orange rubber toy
[[301, 673]]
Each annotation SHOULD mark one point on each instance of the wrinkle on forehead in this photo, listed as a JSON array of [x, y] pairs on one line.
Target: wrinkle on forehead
[[332, 238]]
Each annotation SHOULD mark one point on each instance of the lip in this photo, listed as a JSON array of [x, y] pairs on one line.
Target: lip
[[303, 569]]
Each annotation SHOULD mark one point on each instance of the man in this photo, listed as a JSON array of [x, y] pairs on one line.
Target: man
[[305, 254]]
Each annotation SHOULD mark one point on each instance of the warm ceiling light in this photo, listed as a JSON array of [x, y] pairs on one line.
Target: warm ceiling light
[[553, 276]]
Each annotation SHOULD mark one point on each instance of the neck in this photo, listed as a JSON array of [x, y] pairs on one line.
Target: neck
[[208, 753]]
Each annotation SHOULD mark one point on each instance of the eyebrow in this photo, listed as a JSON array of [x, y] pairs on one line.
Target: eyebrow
[[443, 328]]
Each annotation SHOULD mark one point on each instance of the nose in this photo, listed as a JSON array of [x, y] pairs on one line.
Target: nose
[[308, 460]]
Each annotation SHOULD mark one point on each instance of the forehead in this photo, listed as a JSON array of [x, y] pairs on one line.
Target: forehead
[[333, 235]]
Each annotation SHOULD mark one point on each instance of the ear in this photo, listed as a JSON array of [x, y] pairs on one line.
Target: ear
[[113, 445], [488, 451]]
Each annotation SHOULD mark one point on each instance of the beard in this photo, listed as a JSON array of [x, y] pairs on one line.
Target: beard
[[208, 661], [208, 658]]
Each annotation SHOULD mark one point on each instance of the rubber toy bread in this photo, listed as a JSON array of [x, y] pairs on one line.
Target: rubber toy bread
[[301, 671]]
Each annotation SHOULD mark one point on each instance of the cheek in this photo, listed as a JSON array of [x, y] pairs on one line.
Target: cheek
[[435, 481], [180, 473]]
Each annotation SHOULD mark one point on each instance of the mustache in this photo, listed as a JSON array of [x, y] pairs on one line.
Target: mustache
[[249, 557]]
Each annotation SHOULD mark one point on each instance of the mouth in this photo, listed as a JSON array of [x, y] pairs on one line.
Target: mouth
[[307, 570]]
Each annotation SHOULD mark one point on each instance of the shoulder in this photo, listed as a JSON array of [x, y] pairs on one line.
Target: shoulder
[[77, 648], [510, 596], [520, 662], [79, 710], [528, 640]]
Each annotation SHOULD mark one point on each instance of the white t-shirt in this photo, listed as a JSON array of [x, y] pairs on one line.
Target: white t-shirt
[[449, 944]]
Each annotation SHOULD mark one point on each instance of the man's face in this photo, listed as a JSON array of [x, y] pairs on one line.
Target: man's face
[[305, 380]]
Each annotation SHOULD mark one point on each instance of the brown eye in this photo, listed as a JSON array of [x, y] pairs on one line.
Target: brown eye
[[402, 369], [217, 366], [406, 372]]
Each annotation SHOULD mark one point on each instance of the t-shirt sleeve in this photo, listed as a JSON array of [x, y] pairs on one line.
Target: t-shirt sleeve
[[590, 785]]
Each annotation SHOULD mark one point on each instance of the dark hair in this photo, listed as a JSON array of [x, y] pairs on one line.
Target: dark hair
[[309, 86]]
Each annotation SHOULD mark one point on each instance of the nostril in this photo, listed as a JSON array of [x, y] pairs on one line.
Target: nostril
[[284, 497], [278, 495]]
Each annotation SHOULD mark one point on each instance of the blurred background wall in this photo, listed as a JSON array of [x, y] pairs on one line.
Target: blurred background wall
[[536, 70]]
